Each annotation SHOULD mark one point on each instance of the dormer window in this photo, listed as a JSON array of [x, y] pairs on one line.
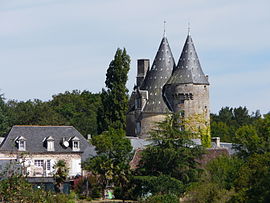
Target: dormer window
[[75, 144], [50, 143], [21, 143]]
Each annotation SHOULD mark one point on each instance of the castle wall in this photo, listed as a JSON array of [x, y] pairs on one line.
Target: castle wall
[[196, 99], [148, 123], [131, 124], [193, 101]]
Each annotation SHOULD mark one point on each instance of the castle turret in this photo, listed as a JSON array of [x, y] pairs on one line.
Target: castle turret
[[156, 78], [187, 90], [149, 106]]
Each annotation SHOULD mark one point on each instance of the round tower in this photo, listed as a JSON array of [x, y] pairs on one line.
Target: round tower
[[187, 91]]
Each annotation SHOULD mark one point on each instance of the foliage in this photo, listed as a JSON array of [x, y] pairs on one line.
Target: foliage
[[198, 127], [172, 152], [74, 108], [87, 187], [165, 198], [60, 174], [114, 100], [169, 165], [78, 109], [228, 120], [162, 184], [253, 183], [15, 188], [216, 183], [111, 165], [208, 192], [4, 127], [243, 177], [253, 139], [222, 130]]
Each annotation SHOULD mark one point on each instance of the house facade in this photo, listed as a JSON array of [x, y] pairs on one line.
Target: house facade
[[37, 148]]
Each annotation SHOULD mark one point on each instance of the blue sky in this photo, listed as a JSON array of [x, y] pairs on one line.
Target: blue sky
[[50, 46]]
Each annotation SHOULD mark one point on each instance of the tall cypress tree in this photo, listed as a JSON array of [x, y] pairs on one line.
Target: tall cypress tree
[[115, 98]]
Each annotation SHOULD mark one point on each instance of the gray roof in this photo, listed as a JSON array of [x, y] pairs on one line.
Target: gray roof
[[188, 69], [35, 136], [139, 143], [157, 76]]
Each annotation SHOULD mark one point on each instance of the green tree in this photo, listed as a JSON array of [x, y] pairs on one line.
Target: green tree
[[60, 175], [229, 120], [115, 99], [75, 108], [221, 129], [111, 165], [4, 127], [253, 183], [216, 183], [172, 154], [78, 109]]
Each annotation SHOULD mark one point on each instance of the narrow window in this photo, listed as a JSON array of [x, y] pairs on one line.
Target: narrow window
[[138, 127], [48, 165], [21, 146], [75, 144]]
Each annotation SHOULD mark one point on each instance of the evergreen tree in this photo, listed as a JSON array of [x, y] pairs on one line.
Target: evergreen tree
[[171, 158], [112, 112], [3, 117]]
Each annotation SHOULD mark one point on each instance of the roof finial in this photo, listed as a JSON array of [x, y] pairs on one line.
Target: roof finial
[[188, 28], [164, 32]]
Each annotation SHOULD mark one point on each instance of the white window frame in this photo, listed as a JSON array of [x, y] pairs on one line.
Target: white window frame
[[39, 163], [22, 144], [50, 145], [48, 165], [75, 145]]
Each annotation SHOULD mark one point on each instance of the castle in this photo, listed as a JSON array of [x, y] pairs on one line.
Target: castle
[[169, 88]]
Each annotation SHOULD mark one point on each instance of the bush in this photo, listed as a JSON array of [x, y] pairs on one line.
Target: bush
[[167, 198]]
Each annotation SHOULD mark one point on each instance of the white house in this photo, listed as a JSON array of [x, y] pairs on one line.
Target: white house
[[38, 148]]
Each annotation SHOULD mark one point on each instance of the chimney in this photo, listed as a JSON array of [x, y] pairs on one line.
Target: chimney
[[216, 140], [142, 68], [89, 137]]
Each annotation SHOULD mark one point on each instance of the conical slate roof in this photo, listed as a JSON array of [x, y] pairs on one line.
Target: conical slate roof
[[188, 69], [157, 76]]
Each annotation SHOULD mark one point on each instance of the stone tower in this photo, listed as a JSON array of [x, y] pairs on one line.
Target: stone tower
[[146, 105], [187, 90]]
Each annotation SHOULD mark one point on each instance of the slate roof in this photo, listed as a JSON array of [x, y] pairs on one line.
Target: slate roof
[[35, 136], [157, 76], [188, 69], [139, 143]]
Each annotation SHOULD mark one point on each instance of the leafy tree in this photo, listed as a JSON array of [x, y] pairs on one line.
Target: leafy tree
[[222, 130], [231, 119], [216, 183], [167, 198], [111, 165], [75, 108], [3, 117], [115, 99], [248, 141], [172, 154], [253, 183], [60, 174], [78, 109], [253, 139], [162, 184]]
